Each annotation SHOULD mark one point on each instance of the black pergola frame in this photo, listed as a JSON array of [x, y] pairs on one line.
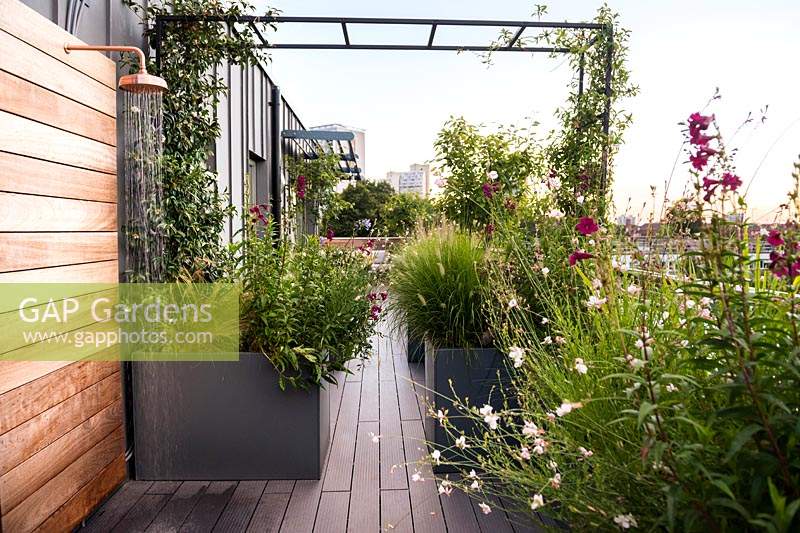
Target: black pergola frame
[[512, 46]]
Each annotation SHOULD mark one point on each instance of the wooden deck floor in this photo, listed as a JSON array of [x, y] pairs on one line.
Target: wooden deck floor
[[360, 491]]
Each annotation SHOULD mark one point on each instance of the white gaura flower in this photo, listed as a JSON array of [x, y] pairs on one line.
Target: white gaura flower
[[597, 283], [553, 465], [539, 446], [529, 429], [492, 175], [639, 343], [473, 474], [561, 341], [489, 417], [737, 288], [445, 487], [461, 443], [517, 355], [595, 303], [580, 198], [665, 315], [690, 303], [537, 501], [545, 320], [545, 271], [475, 485], [525, 453], [586, 453], [625, 521], [512, 303], [633, 290], [684, 343], [566, 407], [441, 416], [580, 366], [485, 509], [705, 301], [704, 313], [556, 214], [551, 417], [671, 388], [436, 455], [555, 481], [416, 477], [547, 340]]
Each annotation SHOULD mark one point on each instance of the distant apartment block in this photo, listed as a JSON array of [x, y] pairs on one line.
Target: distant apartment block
[[415, 180]]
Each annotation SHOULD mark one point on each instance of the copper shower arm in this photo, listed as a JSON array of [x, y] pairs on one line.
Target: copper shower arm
[[131, 49]]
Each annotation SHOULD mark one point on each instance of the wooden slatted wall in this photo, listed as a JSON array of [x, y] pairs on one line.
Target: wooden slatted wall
[[61, 423]]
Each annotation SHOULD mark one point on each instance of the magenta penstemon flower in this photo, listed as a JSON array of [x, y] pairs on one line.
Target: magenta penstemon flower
[[697, 125], [490, 188], [257, 211], [301, 187], [774, 238], [586, 226], [579, 255]]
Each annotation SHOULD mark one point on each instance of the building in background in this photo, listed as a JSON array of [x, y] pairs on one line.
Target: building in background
[[415, 180], [360, 147]]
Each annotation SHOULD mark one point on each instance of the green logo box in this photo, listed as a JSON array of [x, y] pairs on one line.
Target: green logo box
[[119, 322]]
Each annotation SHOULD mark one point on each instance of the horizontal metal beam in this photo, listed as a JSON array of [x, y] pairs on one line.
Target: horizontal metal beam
[[412, 47], [389, 21], [318, 135]]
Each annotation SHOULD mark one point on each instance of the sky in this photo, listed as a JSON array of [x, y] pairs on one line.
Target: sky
[[680, 52]]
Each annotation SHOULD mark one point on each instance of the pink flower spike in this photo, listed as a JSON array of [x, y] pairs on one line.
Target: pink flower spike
[[579, 255], [774, 238], [586, 226]]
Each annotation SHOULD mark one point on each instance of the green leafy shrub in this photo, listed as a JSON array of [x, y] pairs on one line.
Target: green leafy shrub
[[475, 166], [436, 284], [653, 394], [194, 209], [306, 306]]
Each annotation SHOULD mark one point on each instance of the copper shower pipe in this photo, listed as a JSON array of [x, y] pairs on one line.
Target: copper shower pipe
[[141, 82]]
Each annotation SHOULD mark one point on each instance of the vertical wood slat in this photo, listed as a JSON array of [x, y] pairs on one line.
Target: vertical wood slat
[[26, 137], [27, 25], [45, 501], [61, 433], [26, 175], [27, 100], [29, 63]]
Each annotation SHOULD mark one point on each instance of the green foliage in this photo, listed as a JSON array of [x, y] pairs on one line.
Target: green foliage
[[305, 306], [194, 209], [579, 153], [312, 188], [436, 283], [403, 213], [360, 201], [465, 157], [663, 395]]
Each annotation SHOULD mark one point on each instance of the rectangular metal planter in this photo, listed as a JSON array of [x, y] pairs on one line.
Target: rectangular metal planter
[[226, 420], [416, 350], [477, 374]]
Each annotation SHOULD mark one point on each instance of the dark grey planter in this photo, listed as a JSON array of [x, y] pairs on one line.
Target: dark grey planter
[[478, 374], [416, 350], [225, 421]]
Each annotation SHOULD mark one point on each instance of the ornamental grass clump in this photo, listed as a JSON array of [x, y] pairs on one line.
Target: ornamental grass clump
[[307, 306], [437, 287], [654, 393]]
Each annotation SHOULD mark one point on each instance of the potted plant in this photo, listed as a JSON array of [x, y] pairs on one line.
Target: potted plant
[[437, 286], [305, 313]]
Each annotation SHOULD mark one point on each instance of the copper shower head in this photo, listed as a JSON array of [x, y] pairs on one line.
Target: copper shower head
[[141, 82]]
